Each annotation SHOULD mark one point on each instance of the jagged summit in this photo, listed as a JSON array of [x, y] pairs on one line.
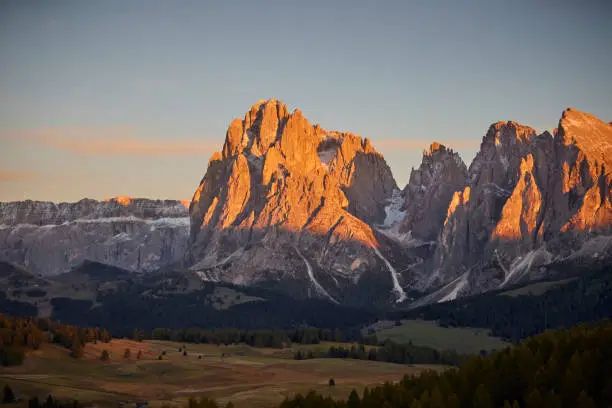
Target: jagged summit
[[434, 147], [430, 189], [509, 133], [283, 187], [588, 133], [121, 199], [530, 199]]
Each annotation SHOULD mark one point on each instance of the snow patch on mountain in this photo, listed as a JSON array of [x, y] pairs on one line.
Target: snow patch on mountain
[[320, 289], [326, 156], [397, 289], [393, 212], [455, 288]]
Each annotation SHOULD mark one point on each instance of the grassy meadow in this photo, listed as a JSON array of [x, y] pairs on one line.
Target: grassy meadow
[[247, 376], [464, 340]]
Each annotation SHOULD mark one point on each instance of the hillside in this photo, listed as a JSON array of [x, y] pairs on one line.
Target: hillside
[[564, 368], [523, 310]]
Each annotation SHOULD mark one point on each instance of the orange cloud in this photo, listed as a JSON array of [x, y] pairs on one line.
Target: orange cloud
[[421, 144], [7, 175], [111, 141]]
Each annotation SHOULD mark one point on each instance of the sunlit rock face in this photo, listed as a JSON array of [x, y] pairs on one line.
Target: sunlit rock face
[[284, 197], [135, 234], [529, 195], [582, 189]]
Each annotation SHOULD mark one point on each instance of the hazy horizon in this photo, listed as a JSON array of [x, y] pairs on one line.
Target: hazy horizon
[[100, 99]]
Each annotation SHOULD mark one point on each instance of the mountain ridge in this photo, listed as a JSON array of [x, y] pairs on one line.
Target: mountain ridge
[[318, 213]]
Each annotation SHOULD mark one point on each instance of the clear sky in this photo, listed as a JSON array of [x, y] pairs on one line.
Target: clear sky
[[106, 98]]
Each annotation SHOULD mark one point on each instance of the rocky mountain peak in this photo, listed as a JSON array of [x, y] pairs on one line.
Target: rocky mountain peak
[[530, 196], [584, 181], [430, 190], [434, 147], [284, 183], [259, 129], [587, 133], [121, 200]]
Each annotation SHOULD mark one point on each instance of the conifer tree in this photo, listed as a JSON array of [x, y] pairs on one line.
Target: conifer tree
[[584, 401], [8, 397], [534, 399], [76, 350], [482, 398], [453, 402], [353, 400], [33, 402]]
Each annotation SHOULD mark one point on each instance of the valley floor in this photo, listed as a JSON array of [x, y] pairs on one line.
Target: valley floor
[[241, 374]]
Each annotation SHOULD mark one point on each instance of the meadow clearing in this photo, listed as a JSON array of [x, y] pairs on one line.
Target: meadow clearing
[[465, 340], [246, 376]]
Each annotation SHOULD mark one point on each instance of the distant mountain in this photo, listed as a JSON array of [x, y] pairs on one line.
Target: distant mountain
[[314, 213], [291, 203], [135, 234], [530, 202]]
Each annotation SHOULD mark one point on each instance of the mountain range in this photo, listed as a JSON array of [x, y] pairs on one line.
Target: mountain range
[[289, 206]]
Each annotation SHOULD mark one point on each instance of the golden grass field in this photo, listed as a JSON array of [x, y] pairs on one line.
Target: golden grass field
[[248, 377]]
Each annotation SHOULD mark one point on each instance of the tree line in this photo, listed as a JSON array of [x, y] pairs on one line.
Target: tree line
[[122, 311], [9, 397], [259, 338], [18, 334], [388, 351], [567, 368], [587, 298]]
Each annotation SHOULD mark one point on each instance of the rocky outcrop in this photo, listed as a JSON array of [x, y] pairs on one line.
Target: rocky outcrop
[[49, 213], [286, 199], [582, 188], [430, 190], [530, 199], [475, 211], [135, 234]]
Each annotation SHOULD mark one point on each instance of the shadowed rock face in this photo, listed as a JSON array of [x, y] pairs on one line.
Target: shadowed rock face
[[430, 190]]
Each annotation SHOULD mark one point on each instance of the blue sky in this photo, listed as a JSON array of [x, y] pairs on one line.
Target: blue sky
[[105, 98]]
